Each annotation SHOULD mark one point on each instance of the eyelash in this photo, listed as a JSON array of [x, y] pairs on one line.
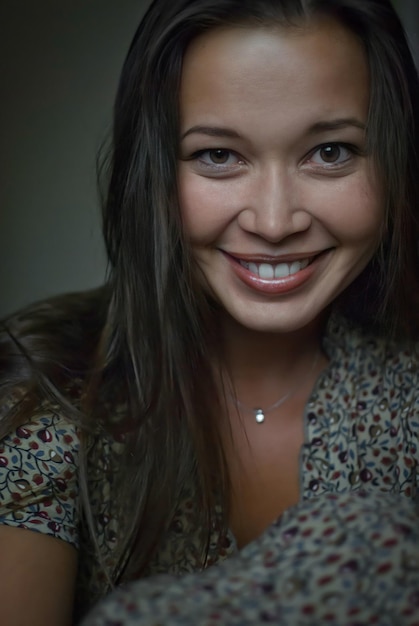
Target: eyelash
[[223, 168], [197, 156], [342, 146]]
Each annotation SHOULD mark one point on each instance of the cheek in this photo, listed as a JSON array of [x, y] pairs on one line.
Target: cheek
[[367, 221], [355, 211], [202, 207], [188, 202]]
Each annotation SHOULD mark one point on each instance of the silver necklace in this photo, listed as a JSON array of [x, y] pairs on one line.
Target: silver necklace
[[259, 413]]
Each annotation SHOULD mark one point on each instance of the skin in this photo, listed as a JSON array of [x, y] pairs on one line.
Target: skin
[[273, 198], [273, 170], [37, 576]]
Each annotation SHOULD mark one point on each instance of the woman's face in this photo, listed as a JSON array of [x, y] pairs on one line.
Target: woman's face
[[278, 197]]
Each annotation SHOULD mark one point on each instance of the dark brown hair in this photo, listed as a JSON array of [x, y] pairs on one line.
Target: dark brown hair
[[146, 340]]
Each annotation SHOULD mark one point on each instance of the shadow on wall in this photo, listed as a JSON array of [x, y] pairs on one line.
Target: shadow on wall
[[409, 12], [59, 66]]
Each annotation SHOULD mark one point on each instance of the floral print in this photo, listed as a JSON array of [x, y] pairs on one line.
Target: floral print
[[362, 420], [361, 432], [346, 559], [38, 478]]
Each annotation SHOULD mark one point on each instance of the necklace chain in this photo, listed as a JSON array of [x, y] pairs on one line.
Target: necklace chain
[[259, 413]]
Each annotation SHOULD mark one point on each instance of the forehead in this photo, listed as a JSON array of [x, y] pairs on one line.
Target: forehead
[[242, 74]]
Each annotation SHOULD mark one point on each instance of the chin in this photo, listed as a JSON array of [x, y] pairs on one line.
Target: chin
[[275, 324]]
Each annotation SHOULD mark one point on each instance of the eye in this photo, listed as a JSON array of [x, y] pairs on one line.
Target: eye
[[217, 159], [332, 154], [219, 156]]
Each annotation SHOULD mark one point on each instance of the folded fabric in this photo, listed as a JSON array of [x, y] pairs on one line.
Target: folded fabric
[[337, 559]]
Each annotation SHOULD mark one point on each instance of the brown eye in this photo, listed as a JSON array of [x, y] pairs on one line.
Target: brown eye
[[330, 154], [219, 157]]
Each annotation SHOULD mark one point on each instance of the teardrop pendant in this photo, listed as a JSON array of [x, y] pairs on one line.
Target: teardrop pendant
[[259, 416]]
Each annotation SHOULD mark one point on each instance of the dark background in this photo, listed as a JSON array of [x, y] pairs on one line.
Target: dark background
[[59, 66]]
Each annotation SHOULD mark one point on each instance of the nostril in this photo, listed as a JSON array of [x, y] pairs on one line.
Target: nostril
[[274, 225]]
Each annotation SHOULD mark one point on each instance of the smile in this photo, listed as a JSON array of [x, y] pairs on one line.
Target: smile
[[269, 271], [270, 278]]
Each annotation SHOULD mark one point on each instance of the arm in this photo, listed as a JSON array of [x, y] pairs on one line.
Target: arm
[[37, 579], [38, 523]]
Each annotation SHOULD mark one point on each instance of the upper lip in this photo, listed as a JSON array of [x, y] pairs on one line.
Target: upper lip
[[273, 259]]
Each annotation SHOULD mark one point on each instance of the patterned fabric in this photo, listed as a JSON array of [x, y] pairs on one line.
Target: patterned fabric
[[361, 431], [344, 560], [38, 478], [362, 420]]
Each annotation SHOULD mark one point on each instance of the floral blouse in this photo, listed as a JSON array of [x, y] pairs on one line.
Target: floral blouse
[[361, 431], [341, 559]]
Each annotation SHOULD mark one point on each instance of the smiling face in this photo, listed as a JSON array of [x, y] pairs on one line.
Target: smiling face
[[278, 197]]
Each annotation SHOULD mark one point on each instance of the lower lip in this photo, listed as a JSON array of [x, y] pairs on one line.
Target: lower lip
[[274, 286]]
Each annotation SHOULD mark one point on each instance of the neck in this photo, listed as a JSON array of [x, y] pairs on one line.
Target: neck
[[262, 368], [259, 356]]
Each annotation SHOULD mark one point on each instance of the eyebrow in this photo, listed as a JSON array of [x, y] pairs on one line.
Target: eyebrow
[[337, 124], [318, 127], [212, 131]]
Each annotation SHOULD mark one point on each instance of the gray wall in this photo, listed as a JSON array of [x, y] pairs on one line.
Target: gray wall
[[409, 12], [59, 64]]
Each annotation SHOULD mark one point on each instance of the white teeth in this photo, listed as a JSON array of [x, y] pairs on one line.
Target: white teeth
[[266, 271], [252, 267], [295, 267], [282, 270], [303, 264]]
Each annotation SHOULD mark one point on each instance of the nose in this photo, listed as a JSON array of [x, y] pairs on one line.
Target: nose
[[273, 207]]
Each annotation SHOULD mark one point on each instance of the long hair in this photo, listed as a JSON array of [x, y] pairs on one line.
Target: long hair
[[157, 343]]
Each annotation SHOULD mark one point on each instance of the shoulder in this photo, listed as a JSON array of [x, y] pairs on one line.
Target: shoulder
[[46, 355], [39, 492], [39, 476], [374, 375]]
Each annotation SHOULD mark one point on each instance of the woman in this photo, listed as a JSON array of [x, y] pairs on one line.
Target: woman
[[255, 341]]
